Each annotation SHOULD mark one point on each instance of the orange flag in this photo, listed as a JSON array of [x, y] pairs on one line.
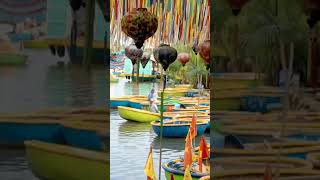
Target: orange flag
[[204, 148], [203, 152], [188, 151], [268, 173], [193, 127]]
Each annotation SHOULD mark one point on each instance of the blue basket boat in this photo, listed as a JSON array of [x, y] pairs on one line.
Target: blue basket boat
[[178, 128]]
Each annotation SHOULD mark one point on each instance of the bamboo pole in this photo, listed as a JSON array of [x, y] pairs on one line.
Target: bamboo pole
[[90, 12], [288, 73], [161, 124], [138, 69]]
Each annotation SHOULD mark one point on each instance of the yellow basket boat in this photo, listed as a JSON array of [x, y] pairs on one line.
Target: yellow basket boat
[[138, 115], [57, 162]]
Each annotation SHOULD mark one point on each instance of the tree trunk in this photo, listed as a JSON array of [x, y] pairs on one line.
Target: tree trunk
[[90, 12]]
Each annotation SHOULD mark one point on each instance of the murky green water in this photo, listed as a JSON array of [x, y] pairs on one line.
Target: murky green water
[[130, 141], [42, 84]]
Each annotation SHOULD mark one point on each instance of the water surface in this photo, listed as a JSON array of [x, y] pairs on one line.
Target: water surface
[[43, 84], [130, 141]]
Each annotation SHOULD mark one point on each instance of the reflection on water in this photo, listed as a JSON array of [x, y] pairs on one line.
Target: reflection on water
[[42, 84], [13, 165], [125, 87], [130, 144]]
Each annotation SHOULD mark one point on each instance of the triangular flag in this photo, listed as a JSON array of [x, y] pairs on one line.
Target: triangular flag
[[193, 127], [203, 152], [148, 169], [187, 174], [267, 173], [204, 148], [188, 152]]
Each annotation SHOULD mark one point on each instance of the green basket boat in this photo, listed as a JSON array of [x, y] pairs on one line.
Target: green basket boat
[[57, 162], [36, 44], [12, 59]]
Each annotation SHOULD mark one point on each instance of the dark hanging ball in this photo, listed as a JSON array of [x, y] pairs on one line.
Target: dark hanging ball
[[311, 22], [76, 4], [236, 12], [52, 49], [60, 51], [139, 44], [167, 55]]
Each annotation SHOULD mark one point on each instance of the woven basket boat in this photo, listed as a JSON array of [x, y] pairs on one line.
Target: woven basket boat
[[258, 174]]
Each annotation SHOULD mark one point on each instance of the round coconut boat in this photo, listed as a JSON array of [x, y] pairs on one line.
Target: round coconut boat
[[137, 115], [259, 162], [236, 80], [178, 128], [177, 169], [258, 174], [314, 158], [290, 149], [227, 102], [271, 130]]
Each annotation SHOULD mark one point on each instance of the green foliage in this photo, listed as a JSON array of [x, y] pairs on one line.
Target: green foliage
[[262, 25], [189, 72]]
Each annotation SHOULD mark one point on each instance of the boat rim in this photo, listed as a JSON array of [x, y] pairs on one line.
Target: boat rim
[[68, 150], [178, 172], [156, 123], [138, 110]]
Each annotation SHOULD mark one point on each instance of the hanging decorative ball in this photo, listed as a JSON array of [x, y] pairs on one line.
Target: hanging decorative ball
[[145, 59], [167, 55], [76, 4], [236, 6], [312, 9], [184, 58], [140, 25], [133, 53], [204, 51], [311, 22]]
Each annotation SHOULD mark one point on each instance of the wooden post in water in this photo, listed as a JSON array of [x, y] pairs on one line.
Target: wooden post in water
[[87, 54], [138, 69]]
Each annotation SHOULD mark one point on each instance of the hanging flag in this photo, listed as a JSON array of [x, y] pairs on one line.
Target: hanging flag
[[188, 151], [148, 169], [204, 148], [267, 173], [193, 127], [187, 174], [203, 152]]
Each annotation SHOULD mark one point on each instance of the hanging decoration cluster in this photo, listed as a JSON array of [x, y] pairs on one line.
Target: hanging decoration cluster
[[139, 25], [184, 58], [133, 53], [204, 51], [179, 21], [166, 55]]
